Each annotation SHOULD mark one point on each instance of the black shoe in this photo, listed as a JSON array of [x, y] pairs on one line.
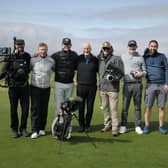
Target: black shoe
[[81, 129], [15, 134], [24, 133], [87, 129]]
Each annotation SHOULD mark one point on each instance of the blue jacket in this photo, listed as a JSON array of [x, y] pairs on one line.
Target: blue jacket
[[156, 67]]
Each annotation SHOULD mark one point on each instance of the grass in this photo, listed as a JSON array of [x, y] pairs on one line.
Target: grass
[[99, 150]]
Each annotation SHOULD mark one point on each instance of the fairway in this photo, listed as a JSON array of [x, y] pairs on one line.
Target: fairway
[[98, 150]]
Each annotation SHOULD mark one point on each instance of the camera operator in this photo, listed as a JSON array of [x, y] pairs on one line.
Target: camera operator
[[109, 88], [16, 73], [134, 70]]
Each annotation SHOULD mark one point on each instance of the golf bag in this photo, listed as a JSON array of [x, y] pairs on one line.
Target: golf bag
[[61, 126]]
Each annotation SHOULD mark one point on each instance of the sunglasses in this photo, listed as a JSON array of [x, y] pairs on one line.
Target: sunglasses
[[106, 48]]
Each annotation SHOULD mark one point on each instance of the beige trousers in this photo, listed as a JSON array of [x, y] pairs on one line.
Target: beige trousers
[[109, 102]]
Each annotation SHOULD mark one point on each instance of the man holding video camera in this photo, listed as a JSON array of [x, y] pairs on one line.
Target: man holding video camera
[[16, 70], [134, 70], [110, 72]]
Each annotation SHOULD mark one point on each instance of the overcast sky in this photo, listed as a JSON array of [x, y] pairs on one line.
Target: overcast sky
[[91, 21]]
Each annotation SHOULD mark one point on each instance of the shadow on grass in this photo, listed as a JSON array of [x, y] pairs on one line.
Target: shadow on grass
[[87, 138], [90, 138], [94, 128]]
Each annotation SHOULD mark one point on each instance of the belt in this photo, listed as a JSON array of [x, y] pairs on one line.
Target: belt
[[133, 82]]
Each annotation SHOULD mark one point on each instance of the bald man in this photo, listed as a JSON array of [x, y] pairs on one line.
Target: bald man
[[86, 86]]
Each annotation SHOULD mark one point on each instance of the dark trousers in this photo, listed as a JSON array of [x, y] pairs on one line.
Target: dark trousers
[[17, 94], [131, 90], [88, 94], [39, 107]]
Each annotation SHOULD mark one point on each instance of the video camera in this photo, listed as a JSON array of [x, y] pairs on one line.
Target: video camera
[[6, 54], [17, 67], [113, 72]]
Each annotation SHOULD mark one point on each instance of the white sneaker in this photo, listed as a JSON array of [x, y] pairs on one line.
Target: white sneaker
[[122, 130], [42, 133], [138, 130], [69, 136], [34, 135]]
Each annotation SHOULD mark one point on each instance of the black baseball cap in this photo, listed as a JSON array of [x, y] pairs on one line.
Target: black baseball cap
[[19, 42], [132, 43], [66, 41]]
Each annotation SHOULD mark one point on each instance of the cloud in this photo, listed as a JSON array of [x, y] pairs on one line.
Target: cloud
[[120, 36], [33, 34], [124, 13]]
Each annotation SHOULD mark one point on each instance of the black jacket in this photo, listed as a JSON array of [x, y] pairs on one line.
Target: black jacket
[[87, 70], [16, 70], [65, 65]]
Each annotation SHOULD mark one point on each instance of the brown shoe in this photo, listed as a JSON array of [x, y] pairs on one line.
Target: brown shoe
[[105, 129]]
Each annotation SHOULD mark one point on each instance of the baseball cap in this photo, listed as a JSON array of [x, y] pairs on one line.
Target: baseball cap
[[19, 42], [132, 43], [106, 44], [66, 41]]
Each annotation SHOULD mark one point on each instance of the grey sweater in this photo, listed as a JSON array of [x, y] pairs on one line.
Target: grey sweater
[[133, 63], [41, 71]]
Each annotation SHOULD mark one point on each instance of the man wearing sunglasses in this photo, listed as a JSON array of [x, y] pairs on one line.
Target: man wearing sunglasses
[[109, 88]]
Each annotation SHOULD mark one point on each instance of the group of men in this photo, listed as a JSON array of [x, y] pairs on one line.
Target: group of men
[[131, 66]]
